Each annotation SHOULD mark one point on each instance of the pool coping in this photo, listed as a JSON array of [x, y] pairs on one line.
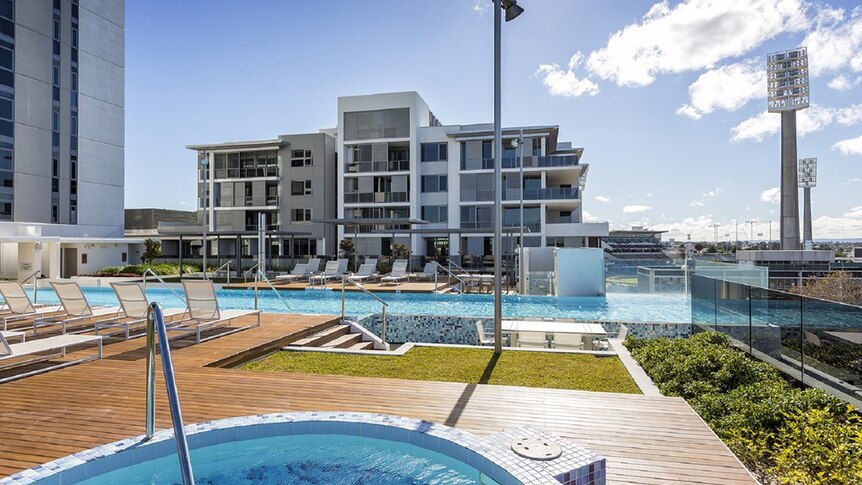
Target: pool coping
[[490, 454]]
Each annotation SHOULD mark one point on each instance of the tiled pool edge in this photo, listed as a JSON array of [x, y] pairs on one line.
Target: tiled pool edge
[[490, 454]]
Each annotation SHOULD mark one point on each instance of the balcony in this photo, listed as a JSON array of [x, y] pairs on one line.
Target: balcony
[[550, 161], [577, 229], [246, 172], [390, 166], [267, 227], [376, 197], [558, 193]]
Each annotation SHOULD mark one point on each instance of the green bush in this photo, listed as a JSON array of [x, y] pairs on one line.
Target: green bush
[[782, 433], [162, 269]]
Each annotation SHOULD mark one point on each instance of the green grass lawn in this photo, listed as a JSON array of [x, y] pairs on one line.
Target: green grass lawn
[[472, 366]]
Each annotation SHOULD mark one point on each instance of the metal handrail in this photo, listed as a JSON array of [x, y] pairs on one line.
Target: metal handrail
[[156, 327], [458, 266], [35, 285], [215, 272], [348, 279], [250, 271], [450, 273], [257, 277], [150, 271]]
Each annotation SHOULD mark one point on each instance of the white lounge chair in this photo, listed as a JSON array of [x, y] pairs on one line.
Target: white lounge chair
[[203, 313], [532, 339], [299, 272], [398, 273], [15, 355], [76, 308], [13, 334], [19, 305], [313, 266], [134, 307], [429, 272], [484, 339], [367, 271], [572, 341], [334, 269]]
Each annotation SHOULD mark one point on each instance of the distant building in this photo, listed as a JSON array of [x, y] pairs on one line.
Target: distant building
[[62, 72], [146, 222]]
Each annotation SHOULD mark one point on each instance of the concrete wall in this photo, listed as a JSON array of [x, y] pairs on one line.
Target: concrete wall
[[98, 256]]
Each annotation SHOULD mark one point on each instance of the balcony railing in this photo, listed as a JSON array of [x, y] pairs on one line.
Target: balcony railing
[[390, 166], [267, 227], [549, 161], [376, 197], [567, 193], [246, 172]]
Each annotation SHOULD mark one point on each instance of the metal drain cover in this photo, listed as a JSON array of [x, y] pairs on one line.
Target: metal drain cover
[[536, 448]]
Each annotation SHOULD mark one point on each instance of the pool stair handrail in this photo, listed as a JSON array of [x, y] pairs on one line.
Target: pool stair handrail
[[347, 279], [162, 281], [156, 328], [215, 271], [260, 276], [249, 272], [35, 284], [451, 275]]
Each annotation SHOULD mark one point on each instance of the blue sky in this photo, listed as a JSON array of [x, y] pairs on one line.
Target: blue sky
[[668, 99]]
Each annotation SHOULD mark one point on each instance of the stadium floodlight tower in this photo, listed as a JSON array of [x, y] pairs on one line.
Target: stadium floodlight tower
[[787, 90], [807, 179]]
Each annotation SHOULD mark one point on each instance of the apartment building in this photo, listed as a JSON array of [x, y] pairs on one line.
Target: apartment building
[[289, 179], [62, 70], [434, 183]]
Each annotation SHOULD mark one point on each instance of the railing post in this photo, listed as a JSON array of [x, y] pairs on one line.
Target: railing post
[[151, 373], [256, 280], [342, 297], [383, 324]]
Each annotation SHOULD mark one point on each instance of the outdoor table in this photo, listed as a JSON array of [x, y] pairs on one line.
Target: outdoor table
[[590, 330]]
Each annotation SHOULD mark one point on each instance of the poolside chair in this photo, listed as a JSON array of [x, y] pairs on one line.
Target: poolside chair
[[134, 307], [571, 341], [299, 272], [203, 313], [35, 349], [532, 340], [484, 339], [398, 273], [19, 305], [367, 271], [313, 266], [429, 272], [14, 334], [76, 308], [334, 269]]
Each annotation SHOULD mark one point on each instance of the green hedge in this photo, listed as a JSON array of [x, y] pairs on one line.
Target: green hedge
[[163, 269], [783, 434]]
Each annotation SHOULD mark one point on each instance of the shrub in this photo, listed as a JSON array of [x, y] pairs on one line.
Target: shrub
[[781, 433]]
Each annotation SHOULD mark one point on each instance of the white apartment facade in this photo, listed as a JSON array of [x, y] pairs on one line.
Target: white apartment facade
[[431, 185], [62, 71]]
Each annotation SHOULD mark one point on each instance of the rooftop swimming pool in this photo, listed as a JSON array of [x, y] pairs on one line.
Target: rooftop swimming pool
[[621, 306]]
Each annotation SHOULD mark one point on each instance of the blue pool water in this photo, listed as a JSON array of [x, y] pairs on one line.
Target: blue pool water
[[304, 459], [616, 306]]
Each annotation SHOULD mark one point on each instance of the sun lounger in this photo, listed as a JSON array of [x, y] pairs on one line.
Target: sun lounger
[[299, 272], [429, 272], [398, 273], [19, 305], [313, 265], [334, 269], [76, 308], [13, 334], [15, 355], [134, 307], [203, 313], [367, 271]]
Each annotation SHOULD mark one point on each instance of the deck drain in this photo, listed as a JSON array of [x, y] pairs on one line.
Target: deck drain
[[536, 448]]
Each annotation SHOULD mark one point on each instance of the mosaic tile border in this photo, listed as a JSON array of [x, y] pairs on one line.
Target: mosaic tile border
[[491, 454]]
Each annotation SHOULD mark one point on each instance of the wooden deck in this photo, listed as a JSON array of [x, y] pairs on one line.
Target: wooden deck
[[647, 440]]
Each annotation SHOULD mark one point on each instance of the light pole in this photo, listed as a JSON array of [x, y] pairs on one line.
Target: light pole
[[203, 160], [512, 12], [519, 144]]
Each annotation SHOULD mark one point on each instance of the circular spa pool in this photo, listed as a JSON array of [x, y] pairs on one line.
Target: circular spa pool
[[295, 448]]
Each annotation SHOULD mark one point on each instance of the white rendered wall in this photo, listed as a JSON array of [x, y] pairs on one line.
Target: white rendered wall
[[580, 271], [98, 256]]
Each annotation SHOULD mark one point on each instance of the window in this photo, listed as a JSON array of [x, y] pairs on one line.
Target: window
[[83, 258], [124, 257], [300, 187], [5, 159], [55, 212], [435, 213], [537, 147], [6, 58], [301, 158], [6, 179], [5, 108], [55, 184], [55, 121], [6, 207], [435, 152], [74, 128], [434, 183], [301, 215], [56, 29]]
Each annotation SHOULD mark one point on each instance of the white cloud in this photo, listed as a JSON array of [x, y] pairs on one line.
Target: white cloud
[[481, 7], [649, 194], [632, 209], [835, 42], [728, 87], [587, 217], [842, 83], [602, 198], [854, 213], [848, 225], [565, 82], [712, 193], [808, 121], [771, 196], [698, 227], [694, 34], [852, 146], [854, 180], [695, 203]]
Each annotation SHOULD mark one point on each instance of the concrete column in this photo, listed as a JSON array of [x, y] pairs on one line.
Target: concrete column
[[789, 187], [51, 260], [807, 236]]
